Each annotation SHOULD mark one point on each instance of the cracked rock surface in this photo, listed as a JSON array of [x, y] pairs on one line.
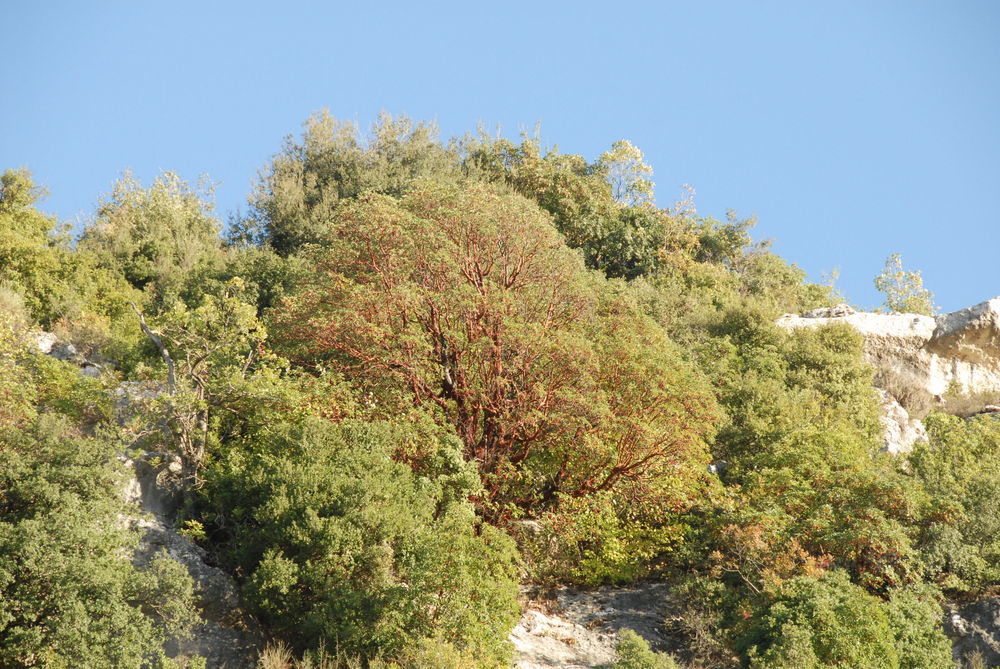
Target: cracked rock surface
[[575, 628], [975, 628]]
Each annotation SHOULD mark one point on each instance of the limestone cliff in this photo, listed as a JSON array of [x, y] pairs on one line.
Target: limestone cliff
[[951, 361]]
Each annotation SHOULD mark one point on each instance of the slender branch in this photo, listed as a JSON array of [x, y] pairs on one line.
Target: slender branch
[[171, 381]]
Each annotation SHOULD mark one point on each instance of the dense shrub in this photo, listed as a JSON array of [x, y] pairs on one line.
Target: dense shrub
[[67, 595], [343, 546], [959, 471], [163, 239], [821, 622], [633, 653], [915, 618]]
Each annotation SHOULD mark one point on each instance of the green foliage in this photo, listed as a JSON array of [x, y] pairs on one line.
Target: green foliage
[[31, 383], [67, 596], [959, 470], [43, 280], [17, 392], [631, 243], [821, 622], [802, 431], [628, 175], [60, 388], [709, 270], [603, 208], [723, 244], [784, 389], [604, 537], [345, 547], [305, 182], [268, 276], [216, 363], [163, 239], [802, 492], [437, 653], [29, 248], [828, 622], [915, 618], [904, 290], [634, 653], [573, 191], [711, 615]]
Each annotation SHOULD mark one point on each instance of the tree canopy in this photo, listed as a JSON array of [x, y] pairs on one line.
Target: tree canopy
[[422, 373], [467, 299]]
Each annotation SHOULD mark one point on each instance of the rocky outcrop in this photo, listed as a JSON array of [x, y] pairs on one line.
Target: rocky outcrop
[[49, 344], [952, 361], [574, 629], [900, 430], [45, 341], [971, 335], [225, 636], [974, 629]]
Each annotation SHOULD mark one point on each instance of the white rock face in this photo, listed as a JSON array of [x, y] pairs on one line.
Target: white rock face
[[542, 640], [45, 341], [919, 359], [225, 636], [573, 629], [901, 431], [972, 335]]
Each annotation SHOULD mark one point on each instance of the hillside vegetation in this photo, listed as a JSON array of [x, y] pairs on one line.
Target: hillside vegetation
[[418, 374]]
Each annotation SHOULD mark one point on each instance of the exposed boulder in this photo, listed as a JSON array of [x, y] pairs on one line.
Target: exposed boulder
[[573, 628], [952, 361], [65, 351], [45, 341], [49, 344], [971, 335], [901, 431]]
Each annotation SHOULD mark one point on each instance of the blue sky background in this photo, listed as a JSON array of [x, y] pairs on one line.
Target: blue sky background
[[852, 129]]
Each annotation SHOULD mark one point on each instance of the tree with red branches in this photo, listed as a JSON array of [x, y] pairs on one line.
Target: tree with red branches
[[466, 300]]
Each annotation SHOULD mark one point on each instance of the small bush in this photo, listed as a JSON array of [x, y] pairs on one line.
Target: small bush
[[276, 656], [634, 653]]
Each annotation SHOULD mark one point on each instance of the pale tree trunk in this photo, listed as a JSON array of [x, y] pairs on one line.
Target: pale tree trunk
[[188, 426]]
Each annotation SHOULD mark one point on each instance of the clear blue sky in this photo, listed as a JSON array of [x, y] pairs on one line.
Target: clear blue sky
[[852, 129]]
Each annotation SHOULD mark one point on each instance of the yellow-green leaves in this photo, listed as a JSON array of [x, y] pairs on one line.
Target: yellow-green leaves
[[904, 290]]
